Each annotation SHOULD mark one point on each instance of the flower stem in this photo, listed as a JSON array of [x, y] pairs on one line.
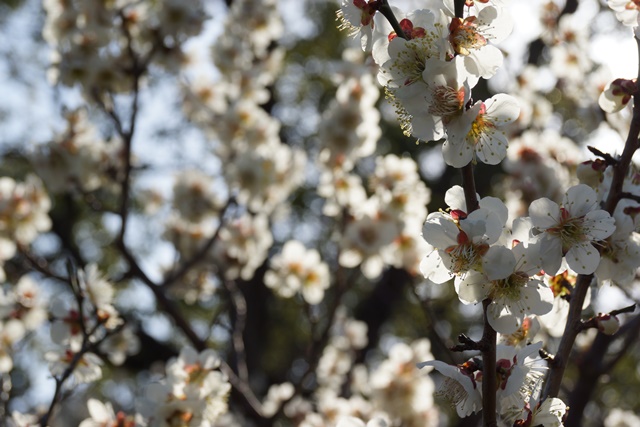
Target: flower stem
[[489, 385], [385, 9]]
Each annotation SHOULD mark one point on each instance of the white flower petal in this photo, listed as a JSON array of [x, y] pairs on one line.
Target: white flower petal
[[433, 268], [583, 258], [498, 263], [544, 213], [579, 200], [551, 252], [472, 288], [599, 224]]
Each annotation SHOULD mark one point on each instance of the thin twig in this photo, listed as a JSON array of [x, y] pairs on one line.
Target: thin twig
[[240, 309], [431, 318], [172, 310], [202, 252], [385, 9], [608, 158]]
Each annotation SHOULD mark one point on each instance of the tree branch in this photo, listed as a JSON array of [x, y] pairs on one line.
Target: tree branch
[[573, 326]]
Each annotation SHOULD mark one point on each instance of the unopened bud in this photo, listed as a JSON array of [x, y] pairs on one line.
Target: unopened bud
[[616, 95], [607, 324], [591, 172]]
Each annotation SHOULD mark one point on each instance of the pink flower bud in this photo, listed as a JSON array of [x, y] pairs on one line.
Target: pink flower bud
[[607, 324], [616, 95]]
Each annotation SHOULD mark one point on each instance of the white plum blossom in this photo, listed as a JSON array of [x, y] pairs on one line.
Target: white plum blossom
[[117, 346], [528, 329], [570, 230], [509, 281], [194, 197], [459, 242], [242, 246], [342, 190], [297, 269], [399, 390], [194, 392], [408, 54], [548, 413], [470, 37], [403, 64], [350, 124], [67, 321], [621, 418], [517, 377], [363, 240], [461, 385], [24, 208], [562, 286], [626, 11], [357, 422], [448, 91], [518, 374], [356, 16], [265, 175], [11, 331], [27, 303], [617, 94], [477, 133], [620, 256], [100, 292], [87, 365], [79, 158], [102, 415], [607, 324]]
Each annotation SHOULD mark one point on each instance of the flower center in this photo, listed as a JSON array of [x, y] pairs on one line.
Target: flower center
[[633, 5], [570, 230], [410, 63], [466, 255], [504, 368], [562, 284], [446, 101], [510, 287], [464, 35], [368, 10], [480, 126]]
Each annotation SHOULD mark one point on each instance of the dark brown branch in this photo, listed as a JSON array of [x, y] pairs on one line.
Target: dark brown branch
[[489, 382], [171, 309], [466, 344], [573, 326], [592, 368], [87, 346], [40, 264], [608, 158], [634, 197], [385, 9], [469, 187], [593, 322]]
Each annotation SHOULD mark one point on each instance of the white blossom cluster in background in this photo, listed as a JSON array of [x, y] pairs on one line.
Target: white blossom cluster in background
[[312, 215]]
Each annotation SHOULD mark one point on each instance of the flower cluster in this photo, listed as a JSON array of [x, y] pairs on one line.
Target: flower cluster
[[429, 69], [429, 61], [194, 392], [79, 160], [103, 47], [83, 325], [297, 269]]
